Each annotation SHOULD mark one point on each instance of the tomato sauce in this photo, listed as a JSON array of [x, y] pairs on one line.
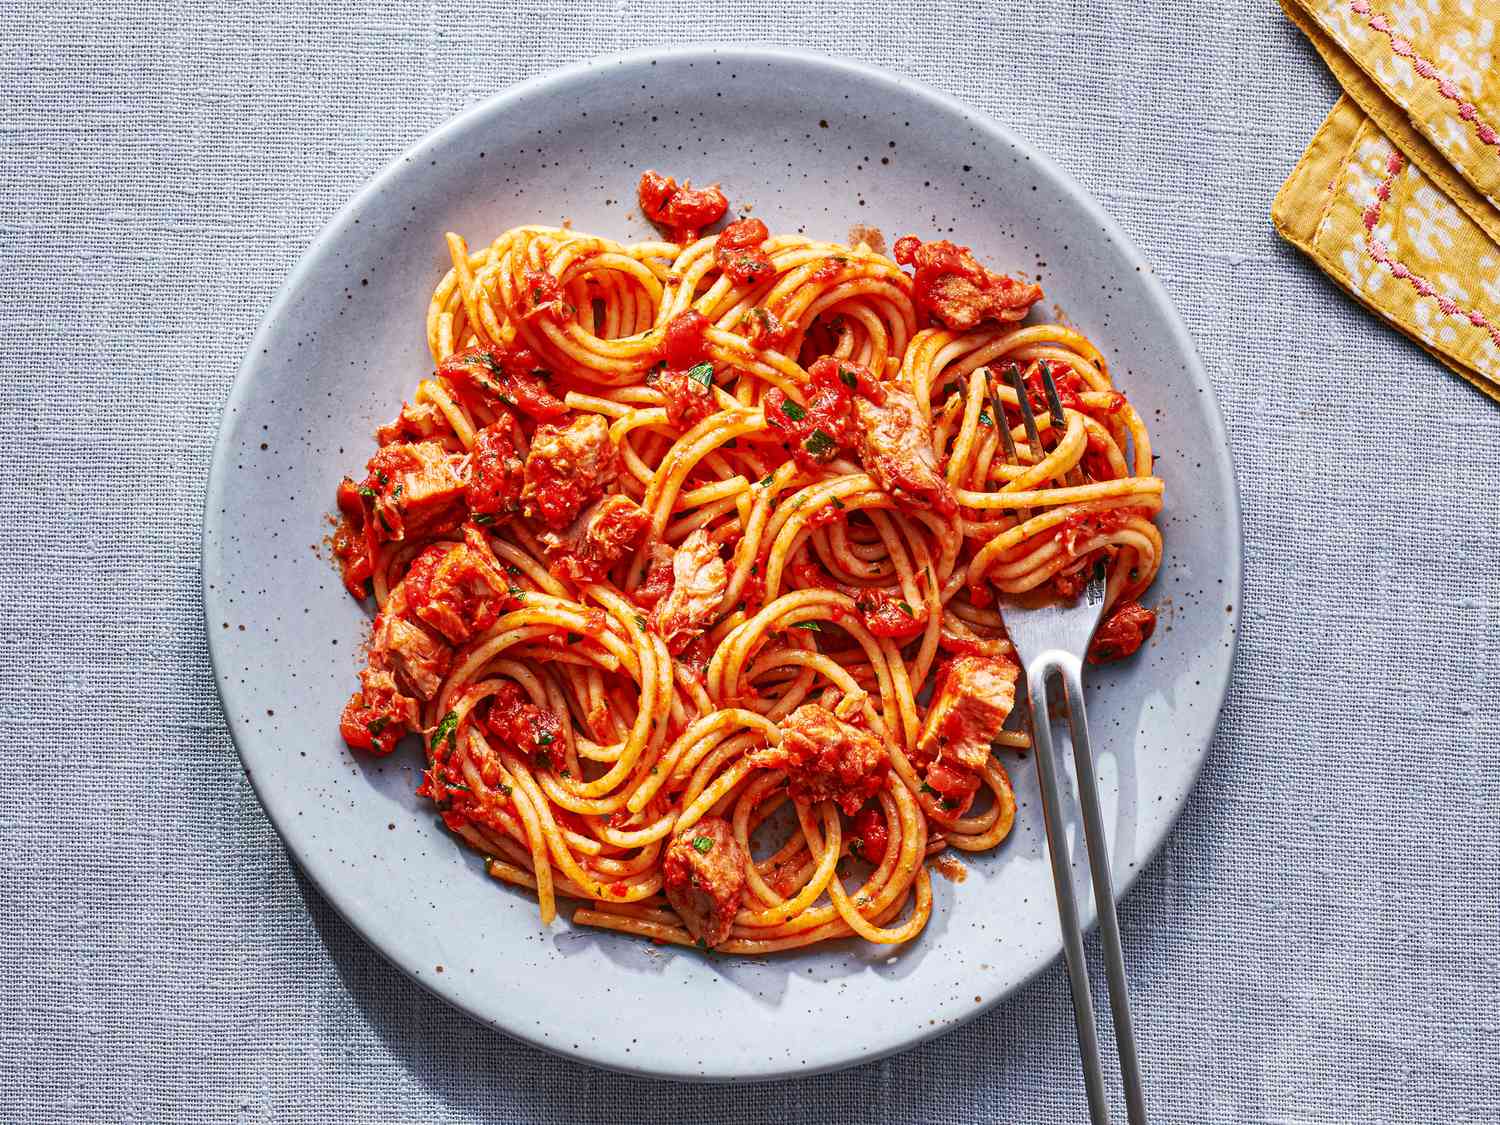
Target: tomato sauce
[[1128, 626], [818, 432], [738, 252], [496, 471], [886, 615], [871, 835], [681, 212], [520, 724], [509, 376]]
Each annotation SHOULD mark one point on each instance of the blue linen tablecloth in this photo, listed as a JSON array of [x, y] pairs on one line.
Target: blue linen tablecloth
[[1318, 942]]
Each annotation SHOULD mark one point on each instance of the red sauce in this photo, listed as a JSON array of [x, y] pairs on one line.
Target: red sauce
[[681, 212], [871, 836], [950, 284], [829, 269], [520, 724], [496, 471], [350, 545], [767, 329], [1068, 382], [685, 341], [1128, 627], [817, 433], [542, 295], [374, 720], [738, 252], [509, 376], [953, 786], [888, 616]]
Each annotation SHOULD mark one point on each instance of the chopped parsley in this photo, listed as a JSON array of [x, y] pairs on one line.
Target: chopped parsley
[[765, 481], [703, 844], [819, 443], [375, 726], [639, 620], [984, 419], [512, 568], [857, 847], [848, 378], [928, 790], [505, 789], [837, 503], [702, 373], [794, 410], [544, 739], [448, 729], [574, 638], [484, 519], [906, 608], [810, 626], [515, 591], [366, 491]]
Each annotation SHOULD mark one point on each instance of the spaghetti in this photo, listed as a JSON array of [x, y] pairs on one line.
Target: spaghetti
[[674, 543]]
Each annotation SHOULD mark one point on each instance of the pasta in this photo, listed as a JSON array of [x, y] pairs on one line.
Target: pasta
[[685, 560]]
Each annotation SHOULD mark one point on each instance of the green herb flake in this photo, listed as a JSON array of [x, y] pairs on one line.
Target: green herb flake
[[574, 638], [375, 726], [906, 609], [794, 410], [515, 591], [928, 790], [639, 620], [703, 844], [366, 491], [810, 626], [837, 503], [544, 739], [544, 759], [506, 789], [765, 481], [512, 569], [702, 373], [984, 419], [448, 729], [857, 847], [848, 378], [484, 519], [820, 443]]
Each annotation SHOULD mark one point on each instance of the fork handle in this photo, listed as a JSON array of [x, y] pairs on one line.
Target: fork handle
[[1096, 846]]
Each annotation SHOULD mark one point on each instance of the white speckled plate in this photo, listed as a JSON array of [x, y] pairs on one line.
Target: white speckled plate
[[815, 144]]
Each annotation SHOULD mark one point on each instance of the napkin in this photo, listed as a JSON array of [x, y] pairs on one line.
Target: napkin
[[1397, 197]]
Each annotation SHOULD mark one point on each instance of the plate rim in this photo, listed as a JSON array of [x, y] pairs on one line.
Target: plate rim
[[563, 76]]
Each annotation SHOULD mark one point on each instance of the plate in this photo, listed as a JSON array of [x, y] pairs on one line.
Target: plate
[[813, 143]]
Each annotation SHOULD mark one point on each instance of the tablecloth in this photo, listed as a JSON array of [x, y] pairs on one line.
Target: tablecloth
[[1316, 943]]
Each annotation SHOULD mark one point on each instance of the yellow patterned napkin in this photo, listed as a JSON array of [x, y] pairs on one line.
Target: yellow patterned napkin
[[1397, 198]]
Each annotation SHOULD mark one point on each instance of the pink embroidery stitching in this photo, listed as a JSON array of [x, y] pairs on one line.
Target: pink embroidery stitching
[[1402, 46], [1378, 251]]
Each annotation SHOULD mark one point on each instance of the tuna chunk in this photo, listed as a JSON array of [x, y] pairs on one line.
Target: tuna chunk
[[597, 539], [699, 579], [416, 491], [568, 467], [704, 878], [896, 447], [973, 699], [825, 757]]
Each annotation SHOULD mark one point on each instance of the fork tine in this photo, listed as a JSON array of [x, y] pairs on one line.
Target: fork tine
[[1055, 408], [1028, 419], [998, 415], [1021, 514]]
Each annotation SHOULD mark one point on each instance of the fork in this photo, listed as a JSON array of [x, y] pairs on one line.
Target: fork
[[1051, 637]]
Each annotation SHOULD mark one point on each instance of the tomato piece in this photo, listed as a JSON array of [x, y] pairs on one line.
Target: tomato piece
[[683, 211], [871, 835], [886, 615], [685, 341], [818, 432], [738, 252], [496, 471], [509, 376], [1128, 627], [520, 724]]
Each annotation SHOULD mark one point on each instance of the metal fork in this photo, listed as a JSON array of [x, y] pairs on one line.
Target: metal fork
[[1051, 637]]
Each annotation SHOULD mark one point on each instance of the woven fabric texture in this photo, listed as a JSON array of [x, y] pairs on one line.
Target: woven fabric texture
[[1317, 943]]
